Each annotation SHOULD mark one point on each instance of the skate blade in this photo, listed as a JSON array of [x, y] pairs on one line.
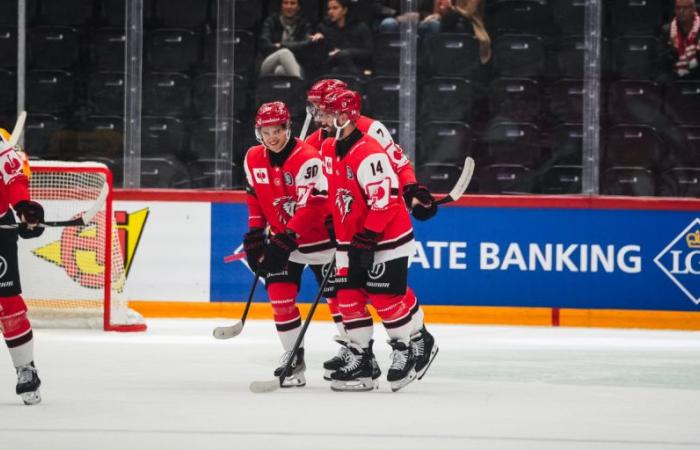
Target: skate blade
[[358, 385], [399, 384], [433, 354], [327, 375], [296, 380], [31, 398], [228, 332]]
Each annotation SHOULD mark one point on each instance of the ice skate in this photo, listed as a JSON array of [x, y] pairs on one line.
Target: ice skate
[[424, 349], [295, 377], [341, 358], [28, 383], [402, 370], [356, 374]]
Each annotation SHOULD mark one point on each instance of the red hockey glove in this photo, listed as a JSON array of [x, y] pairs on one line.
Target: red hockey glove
[[423, 195], [30, 213], [254, 245], [277, 252]]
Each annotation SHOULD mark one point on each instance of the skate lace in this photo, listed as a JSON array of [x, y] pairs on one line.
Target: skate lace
[[418, 347], [25, 375], [352, 362], [399, 359]]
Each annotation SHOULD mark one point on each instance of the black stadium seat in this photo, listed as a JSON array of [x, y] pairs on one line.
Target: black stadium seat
[[682, 102], [636, 16], [628, 181], [680, 182], [106, 93], [203, 136], [519, 16], [8, 46], [204, 94], [164, 172], [452, 54], [175, 50], [562, 180], [445, 142], [67, 12], [40, 132], [519, 55], [446, 99], [107, 47], [50, 91], [439, 178], [101, 136], [162, 136], [383, 97], [387, 51], [53, 47], [241, 46], [633, 146], [567, 146], [166, 94], [568, 15], [515, 99], [505, 179], [513, 143], [636, 57], [181, 13], [566, 100], [634, 102], [290, 90]]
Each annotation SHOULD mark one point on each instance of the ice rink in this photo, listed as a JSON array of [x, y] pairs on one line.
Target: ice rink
[[175, 387]]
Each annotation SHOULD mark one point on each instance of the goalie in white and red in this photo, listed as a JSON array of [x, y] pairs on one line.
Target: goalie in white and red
[[16, 329], [374, 241], [286, 192]]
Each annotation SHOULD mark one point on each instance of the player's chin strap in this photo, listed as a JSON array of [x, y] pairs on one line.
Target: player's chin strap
[[339, 128]]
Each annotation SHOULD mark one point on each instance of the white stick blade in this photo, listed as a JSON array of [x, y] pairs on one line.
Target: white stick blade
[[464, 179], [228, 332], [19, 127], [259, 387]]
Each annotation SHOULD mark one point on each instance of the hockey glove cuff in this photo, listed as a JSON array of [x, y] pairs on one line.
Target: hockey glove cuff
[[278, 250], [254, 245], [423, 195], [30, 213]]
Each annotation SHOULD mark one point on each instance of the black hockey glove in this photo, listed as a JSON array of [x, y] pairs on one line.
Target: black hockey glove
[[328, 223], [361, 256], [422, 194], [254, 245], [30, 213], [277, 252]]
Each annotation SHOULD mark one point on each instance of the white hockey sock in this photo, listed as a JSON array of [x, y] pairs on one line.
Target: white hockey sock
[[417, 321], [402, 333], [361, 336], [341, 328], [22, 354], [288, 338]]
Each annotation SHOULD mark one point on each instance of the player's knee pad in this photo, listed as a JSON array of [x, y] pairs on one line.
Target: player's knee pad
[[283, 299], [13, 316], [395, 310]]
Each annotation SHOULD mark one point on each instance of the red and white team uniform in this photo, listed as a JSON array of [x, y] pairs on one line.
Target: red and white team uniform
[[376, 130], [15, 326], [290, 197]]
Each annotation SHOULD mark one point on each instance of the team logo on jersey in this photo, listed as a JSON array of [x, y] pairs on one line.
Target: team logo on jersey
[[288, 180], [349, 173], [285, 207], [277, 181], [328, 165], [260, 176], [343, 201]]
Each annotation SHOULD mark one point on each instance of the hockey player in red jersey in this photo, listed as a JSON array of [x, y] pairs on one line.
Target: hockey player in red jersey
[[374, 241], [15, 326], [416, 195], [287, 193]]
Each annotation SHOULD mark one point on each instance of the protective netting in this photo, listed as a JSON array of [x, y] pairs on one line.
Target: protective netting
[[64, 272]]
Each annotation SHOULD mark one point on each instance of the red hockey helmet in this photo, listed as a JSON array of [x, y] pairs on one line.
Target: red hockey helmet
[[341, 101], [272, 114], [322, 87]]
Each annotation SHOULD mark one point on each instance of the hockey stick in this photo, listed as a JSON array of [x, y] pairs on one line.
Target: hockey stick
[[81, 221], [18, 129], [305, 128], [272, 385], [235, 329], [462, 183]]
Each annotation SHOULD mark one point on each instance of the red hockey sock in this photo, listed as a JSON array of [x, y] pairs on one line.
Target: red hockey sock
[[17, 330], [396, 312], [352, 304], [285, 312]]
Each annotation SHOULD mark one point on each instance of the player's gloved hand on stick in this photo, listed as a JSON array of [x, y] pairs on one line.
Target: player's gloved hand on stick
[[426, 207], [30, 215], [254, 245], [361, 256], [277, 252]]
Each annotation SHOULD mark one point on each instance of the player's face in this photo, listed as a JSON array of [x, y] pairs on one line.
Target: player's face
[[325, 120], [274, 137]]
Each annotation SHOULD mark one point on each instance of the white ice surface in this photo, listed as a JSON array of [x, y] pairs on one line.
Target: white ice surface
[[176, 387]]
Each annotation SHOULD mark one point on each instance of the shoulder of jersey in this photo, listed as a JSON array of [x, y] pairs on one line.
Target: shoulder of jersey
[[255, 151]]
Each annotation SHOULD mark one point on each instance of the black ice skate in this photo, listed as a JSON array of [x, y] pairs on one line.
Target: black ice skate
[[341, 359], [295, 375], [424, 349], [402, 370], [356, 374], [28, 383]]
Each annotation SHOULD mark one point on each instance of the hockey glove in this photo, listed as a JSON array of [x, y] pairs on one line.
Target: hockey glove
[[328, 223], [254, 245], [361, 256], [30, 213], [422, 194], [277, 252]]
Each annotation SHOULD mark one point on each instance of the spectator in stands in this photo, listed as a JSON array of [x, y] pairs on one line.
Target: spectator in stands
[[347, 43], [683, 40], [428, 16], [284, 40], [472, 11]]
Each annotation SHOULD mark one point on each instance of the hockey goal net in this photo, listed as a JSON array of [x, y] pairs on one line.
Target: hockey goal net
[[75, 276]]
